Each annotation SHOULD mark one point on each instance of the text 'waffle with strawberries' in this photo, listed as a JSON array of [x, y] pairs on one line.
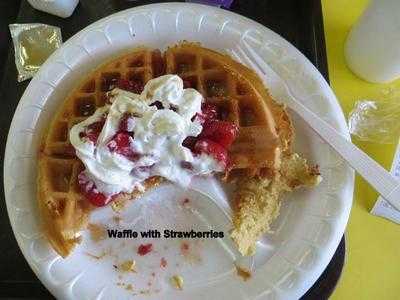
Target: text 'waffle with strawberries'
[[264, 138]]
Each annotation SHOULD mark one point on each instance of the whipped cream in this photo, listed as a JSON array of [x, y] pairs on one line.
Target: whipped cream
[[158, 137]]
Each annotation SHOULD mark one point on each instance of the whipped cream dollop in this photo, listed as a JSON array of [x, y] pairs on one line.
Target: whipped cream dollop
[[157, 139]]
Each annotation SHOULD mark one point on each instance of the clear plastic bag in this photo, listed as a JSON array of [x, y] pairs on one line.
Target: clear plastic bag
[[377, 121], [33, 44]]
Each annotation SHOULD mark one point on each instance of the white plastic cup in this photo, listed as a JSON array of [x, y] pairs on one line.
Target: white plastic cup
[[61, 8], [372, 49]]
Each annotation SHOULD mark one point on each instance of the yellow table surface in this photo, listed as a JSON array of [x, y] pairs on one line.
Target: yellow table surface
[[372, 265]]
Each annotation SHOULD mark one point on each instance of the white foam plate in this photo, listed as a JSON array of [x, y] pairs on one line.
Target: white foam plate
[[287, 262]]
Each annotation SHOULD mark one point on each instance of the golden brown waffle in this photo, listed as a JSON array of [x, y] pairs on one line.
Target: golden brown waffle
[[141, 66], [264, 127]]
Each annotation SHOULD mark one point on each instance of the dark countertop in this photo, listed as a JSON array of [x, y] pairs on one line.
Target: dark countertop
[[300, 22], [8, 14]]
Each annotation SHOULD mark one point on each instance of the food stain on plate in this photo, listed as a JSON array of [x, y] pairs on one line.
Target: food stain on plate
[[128, 266], [117, 219], [243, 273], [103, 254], [144, 249], [97, 232], [191, 251], [177, 282], [163, 262]]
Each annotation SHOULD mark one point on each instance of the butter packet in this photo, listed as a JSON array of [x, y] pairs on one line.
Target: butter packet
[[33, 44], [382, 208]]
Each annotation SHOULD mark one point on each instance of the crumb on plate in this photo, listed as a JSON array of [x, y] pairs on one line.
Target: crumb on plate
[[177, 282], [127, 266], [245, 274], [97, 232]]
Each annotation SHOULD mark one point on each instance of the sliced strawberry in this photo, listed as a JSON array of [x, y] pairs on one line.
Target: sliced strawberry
[[89, 190], [144, 249], [130, 85], [209, 112], [92, 136], [121, 144], [93, 130], [210, 147], [97, 199], [221, 132]]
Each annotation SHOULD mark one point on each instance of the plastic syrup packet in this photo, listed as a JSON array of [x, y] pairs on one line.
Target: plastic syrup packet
[[377, 121], [33, 44], [382, 208]]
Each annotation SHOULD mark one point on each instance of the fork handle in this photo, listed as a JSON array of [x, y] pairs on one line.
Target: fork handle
[[383, 182]]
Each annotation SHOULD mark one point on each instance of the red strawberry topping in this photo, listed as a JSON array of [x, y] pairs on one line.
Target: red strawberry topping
[[209, 112], [93, 130], [89, 190], [210, 147], [216, 137], [221, 132], [121, 144], [143, 249]]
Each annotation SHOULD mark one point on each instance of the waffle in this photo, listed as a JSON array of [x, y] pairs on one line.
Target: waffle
[[64, 210], [265, 131], [241, 96]]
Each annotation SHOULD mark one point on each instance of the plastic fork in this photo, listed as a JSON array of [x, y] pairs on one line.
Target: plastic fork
[[383, 182]]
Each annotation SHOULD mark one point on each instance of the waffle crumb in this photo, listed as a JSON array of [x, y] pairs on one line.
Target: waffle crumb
[[117, 205], [177, 282], [163, 262], [127, 266], [129, 287], [145, 292], [96, 256], [117, 219], [191, 254], [97, 232], [243, 273]]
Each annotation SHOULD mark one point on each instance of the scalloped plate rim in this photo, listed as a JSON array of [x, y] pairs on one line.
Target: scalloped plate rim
[[315, 73]]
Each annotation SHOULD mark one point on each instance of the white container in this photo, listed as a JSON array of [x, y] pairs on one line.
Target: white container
[[61, 8], [372, 49]]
